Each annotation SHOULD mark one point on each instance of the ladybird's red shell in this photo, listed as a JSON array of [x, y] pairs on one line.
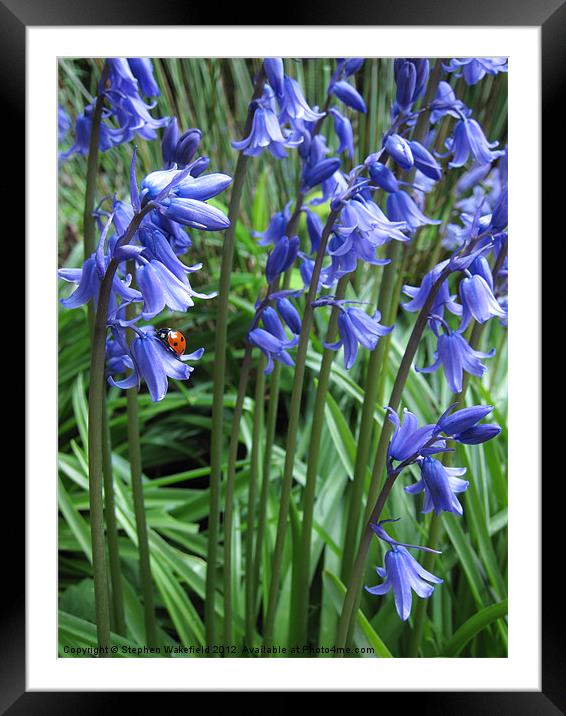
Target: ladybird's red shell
[[176, 341]]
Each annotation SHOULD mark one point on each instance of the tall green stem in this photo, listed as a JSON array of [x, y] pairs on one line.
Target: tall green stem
[[270, 426], [254, 472], [95, 411], [229, 494], [134, 455], [301, 566], [366, 425], [117, 595], [293, 425], [219, 378]]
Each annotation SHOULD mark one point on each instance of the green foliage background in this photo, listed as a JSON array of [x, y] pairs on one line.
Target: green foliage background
[[465, 614]]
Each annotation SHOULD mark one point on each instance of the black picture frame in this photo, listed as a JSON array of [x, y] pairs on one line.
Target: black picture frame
[[550, 16]]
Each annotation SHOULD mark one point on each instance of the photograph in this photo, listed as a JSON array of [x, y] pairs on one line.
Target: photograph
[[282, 357]]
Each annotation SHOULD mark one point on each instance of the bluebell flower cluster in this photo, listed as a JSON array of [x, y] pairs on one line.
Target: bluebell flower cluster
[[125, 114], [440, 485], [282, 119], [412, 443], [171, 199]]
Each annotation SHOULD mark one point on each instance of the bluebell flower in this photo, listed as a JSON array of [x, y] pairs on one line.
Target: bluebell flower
[[88, 279], [349, 95], [478, 434], [275, 72], [401, 207], [399, 150], [157, 245], [200, 188], [455, 355], [266, 133], [469, 139], [109, 136], [154, 363], [120, 76], [443, 298], [499, 215], [406, 78], [411, 76], [306, 270], [294, 105], [452, 423], [125, 106], [362, 228], [276, 228], [344, 132], [351, 65], [282, 257], [272, 340], [425, 162], [363, 217], [320, 172], [382, 176], [478, 301], [355, 328], [118, 359], [464, 425], [314, 229], [160, 287], [446, 103], [472, 178], [440, 485], [402, 574], [473, 69], [193, 213], [142, 69], [178, 149], [289, 314], [408, 439]]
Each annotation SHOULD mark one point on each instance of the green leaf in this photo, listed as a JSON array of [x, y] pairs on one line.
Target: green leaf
[[473, 626]]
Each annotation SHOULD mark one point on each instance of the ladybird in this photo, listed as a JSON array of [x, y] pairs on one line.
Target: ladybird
[[172, 340]]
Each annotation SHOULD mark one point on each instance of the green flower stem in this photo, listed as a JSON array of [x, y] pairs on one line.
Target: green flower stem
[[217, 436], [368, 408], [134, 456], [229, 493], [293, 425], [375, 501], [252, 491], [270, 426], [301, 566], [95, 452], [117, 595]]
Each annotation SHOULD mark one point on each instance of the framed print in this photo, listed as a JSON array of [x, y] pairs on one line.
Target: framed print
[[267, 271]]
